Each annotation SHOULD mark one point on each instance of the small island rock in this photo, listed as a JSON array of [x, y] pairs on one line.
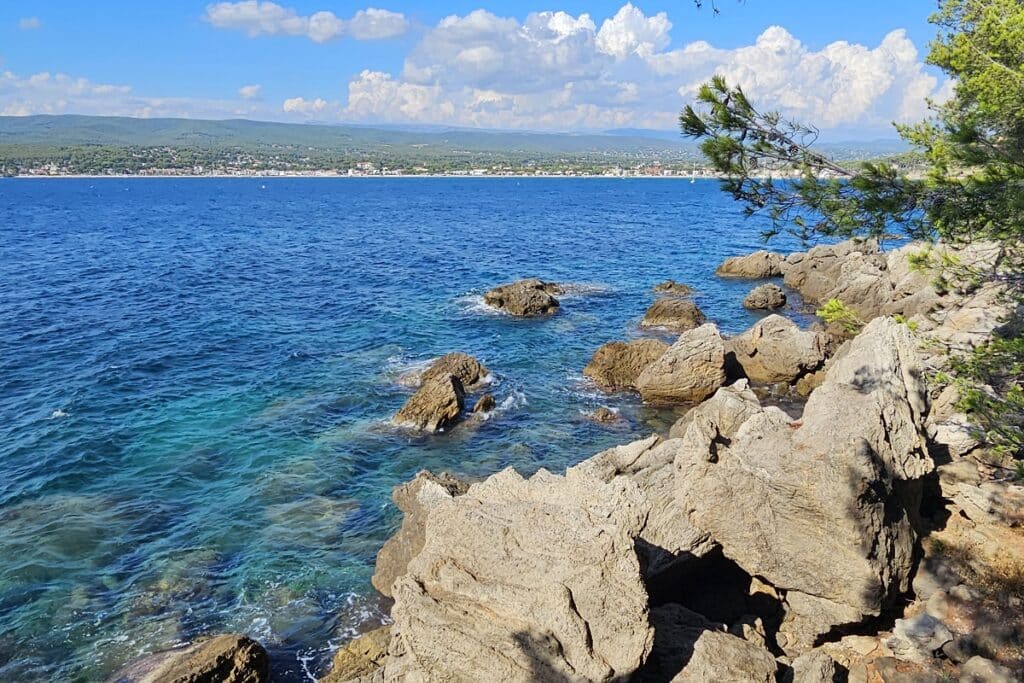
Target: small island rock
[[673, 314], [231, 658], [435, 406], [485, 405], [617, 365], [765, 297], [672, 287], [468, 369], [757, 266], [525, 298]]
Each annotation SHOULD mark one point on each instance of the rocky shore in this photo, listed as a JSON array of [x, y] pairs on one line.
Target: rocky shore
[[871, 537]]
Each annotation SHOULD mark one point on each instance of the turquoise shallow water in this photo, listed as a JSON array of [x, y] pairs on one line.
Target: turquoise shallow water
[[196, 377]]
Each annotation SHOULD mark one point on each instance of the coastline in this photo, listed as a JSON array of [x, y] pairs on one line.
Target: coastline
[[314, 176]]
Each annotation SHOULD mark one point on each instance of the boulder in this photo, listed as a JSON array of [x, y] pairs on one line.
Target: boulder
[[759, 265], [617, 365], [689, 371], [668, 539], [361, 657], [813, 507], [525, 298], [776, 350], [673, 314], [229, 658], [485, 405], [604, 415], [814, 667], [468, 369], [415, 499], [525, 580], [726, 410], [981, 670], [814, 273], [673, 288], [435, 406], [765, 297], [690, 649]]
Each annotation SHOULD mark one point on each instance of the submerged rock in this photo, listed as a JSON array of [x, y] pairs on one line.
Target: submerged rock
[[229, 658], [415, 499], [673, 288], [689, 371], [757, 266], [436, 406], [617, 365], [525, 298], [525, 580], [361, 657], [485, 405], [673, 314], [765, 297], [604, 415], [776, 350]]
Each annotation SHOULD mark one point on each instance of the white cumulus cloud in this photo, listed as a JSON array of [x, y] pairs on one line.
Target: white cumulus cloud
[[250, 92], [261, 17], [557, 70]]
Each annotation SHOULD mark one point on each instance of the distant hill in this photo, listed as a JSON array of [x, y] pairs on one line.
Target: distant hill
[[257, 135]]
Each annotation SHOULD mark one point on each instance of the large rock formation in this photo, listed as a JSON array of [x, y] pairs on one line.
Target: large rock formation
[[525, 580], [415, 499], [435, 406], [229, 658], [617, 365], [667, 537], [812, 505], [765, 297], [689, 371], [525, 297], [673, 314], [776, 350], [759, 265], [727, 410]]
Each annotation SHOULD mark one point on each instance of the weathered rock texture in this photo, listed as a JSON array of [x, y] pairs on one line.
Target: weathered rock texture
[[776, 350], [224, 659], [468, 369], [689, 371], [673, 314], [525, 297], [415, 499], [360, 659], [811, 504], [525, 580], [759, 265], [435, 406], [725, 412], [617, 365], [765, 298]]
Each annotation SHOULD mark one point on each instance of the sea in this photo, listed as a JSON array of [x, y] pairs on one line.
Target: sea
[[197, 378]]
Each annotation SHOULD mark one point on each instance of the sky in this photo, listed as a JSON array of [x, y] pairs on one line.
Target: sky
[[850, 68]]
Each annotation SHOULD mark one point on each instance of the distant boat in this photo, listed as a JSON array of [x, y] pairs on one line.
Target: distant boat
[[693, 174]]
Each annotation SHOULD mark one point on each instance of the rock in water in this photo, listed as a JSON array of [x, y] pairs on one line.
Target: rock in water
[[468, 369], [689, 371], [757, 266], [765, 298], [776, 350], [485, 405], [812, 504], [604, 415], [229, 658], [672, 287], [617, 365], [415, 499], [435, 406], [363, 656], [525, 297], [525, 580], [673, 314]]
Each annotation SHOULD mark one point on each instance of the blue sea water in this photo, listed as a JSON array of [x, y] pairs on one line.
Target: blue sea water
[[196, 378]]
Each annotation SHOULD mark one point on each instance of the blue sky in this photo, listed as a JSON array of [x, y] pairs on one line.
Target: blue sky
[[562, 64]]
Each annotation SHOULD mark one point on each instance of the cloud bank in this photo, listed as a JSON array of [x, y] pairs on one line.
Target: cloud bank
[[554, 70], [260, 18]]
